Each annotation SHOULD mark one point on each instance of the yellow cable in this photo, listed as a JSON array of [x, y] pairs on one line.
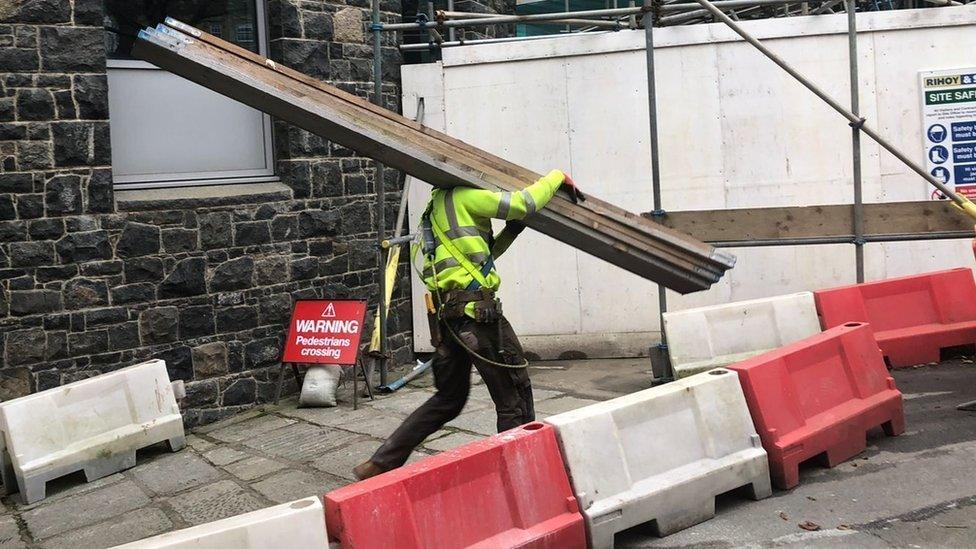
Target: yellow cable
[[967, 207]]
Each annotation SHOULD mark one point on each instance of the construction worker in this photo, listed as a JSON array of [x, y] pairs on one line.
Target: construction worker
[[467, 325]]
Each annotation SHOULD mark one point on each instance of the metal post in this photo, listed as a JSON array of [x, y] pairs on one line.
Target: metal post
[[450, 31], [378, 181], [856, 144], [662, 295], [968, 207]]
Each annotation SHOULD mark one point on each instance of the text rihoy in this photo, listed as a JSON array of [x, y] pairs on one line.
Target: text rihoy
[[324, 331]]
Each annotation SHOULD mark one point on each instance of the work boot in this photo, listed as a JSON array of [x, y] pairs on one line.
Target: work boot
[[367, 469]]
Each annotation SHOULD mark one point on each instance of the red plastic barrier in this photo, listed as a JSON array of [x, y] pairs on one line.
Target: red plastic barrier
[[509, 490], [913, 317], [819, 395]]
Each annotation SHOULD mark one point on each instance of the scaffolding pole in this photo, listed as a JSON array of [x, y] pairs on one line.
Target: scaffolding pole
[[856, 143], [602, 23], [662, 294], [504, 19], [428, 46], [379, 183], [855, 120]]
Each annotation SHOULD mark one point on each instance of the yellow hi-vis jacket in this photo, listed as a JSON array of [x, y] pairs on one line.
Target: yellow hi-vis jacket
[[464, 215]]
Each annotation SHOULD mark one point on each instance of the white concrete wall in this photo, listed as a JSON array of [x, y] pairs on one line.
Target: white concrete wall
[[736, 131]]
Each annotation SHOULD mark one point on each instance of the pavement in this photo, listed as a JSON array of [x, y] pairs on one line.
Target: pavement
[[915, 490]]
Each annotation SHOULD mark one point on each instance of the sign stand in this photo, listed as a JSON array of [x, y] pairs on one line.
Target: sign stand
[[323, 331]]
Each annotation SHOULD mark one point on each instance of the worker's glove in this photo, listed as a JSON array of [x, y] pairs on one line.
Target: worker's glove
[[514, 227], [574, 193]]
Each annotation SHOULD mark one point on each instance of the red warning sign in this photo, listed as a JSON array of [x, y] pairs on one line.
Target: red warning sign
[[325, 331]]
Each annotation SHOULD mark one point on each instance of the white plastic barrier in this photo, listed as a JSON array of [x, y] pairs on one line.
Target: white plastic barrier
[[712, 337], [95, 425], [296, 525], [661, 455]]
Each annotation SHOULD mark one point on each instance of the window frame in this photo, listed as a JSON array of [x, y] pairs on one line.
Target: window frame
[[196, 179], [248, 28]]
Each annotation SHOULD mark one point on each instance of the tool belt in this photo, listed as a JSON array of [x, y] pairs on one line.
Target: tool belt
[[487, 308]]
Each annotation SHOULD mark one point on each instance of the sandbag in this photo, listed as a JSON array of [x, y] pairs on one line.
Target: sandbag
[[320, 386]]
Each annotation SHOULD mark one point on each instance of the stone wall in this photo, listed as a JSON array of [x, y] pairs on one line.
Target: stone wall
[[92, 280]]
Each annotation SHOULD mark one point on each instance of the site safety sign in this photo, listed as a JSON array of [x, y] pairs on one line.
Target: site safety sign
[[325, 331], [949, 128]]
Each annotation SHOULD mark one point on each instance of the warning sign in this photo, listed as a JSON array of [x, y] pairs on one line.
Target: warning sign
[[949, 128], [325, 331]]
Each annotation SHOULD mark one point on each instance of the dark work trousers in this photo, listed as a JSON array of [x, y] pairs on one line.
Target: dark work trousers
[[510, 388]]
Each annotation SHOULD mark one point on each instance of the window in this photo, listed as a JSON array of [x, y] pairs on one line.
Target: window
[[168, 131], [245, 33]]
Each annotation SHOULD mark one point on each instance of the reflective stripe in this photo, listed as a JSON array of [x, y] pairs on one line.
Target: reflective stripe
[[503, 205], [441, 266], [458, 232], [478, 258], [452, 219], [529, 202]]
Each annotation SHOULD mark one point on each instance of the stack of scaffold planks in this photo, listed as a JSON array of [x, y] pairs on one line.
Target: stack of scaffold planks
[[627, 240]]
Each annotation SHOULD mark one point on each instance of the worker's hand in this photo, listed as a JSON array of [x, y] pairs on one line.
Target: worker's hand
[[574, 193]]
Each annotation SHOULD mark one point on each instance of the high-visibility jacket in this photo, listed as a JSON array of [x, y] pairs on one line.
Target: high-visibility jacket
[[464, 215]]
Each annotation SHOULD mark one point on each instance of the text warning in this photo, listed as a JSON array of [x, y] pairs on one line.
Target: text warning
[[325, 331]]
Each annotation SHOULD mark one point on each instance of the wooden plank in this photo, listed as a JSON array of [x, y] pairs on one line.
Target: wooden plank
[[375, 136], [622, 238], [822, 221], [366, 113]]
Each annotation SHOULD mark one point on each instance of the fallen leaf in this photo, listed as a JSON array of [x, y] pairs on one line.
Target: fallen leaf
[[843, 527], [783, 515], [811, 526]]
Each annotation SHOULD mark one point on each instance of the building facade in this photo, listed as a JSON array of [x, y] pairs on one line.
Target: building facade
[[142, 216]]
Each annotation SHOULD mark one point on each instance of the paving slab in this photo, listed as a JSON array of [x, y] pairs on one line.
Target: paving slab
[[174, 473], [10, 533], [562, 404], [241, 417], [213, 502], [484, 422], [292, 484], [401, 402], [132, 526], [481, 395], [224, 455], [600, 378], [378, 426], [451, 441], [340, 416], [300, 441], [84, 509], [65, 487], [253, 468], [341, 462], [199, 444], [247, 430]]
